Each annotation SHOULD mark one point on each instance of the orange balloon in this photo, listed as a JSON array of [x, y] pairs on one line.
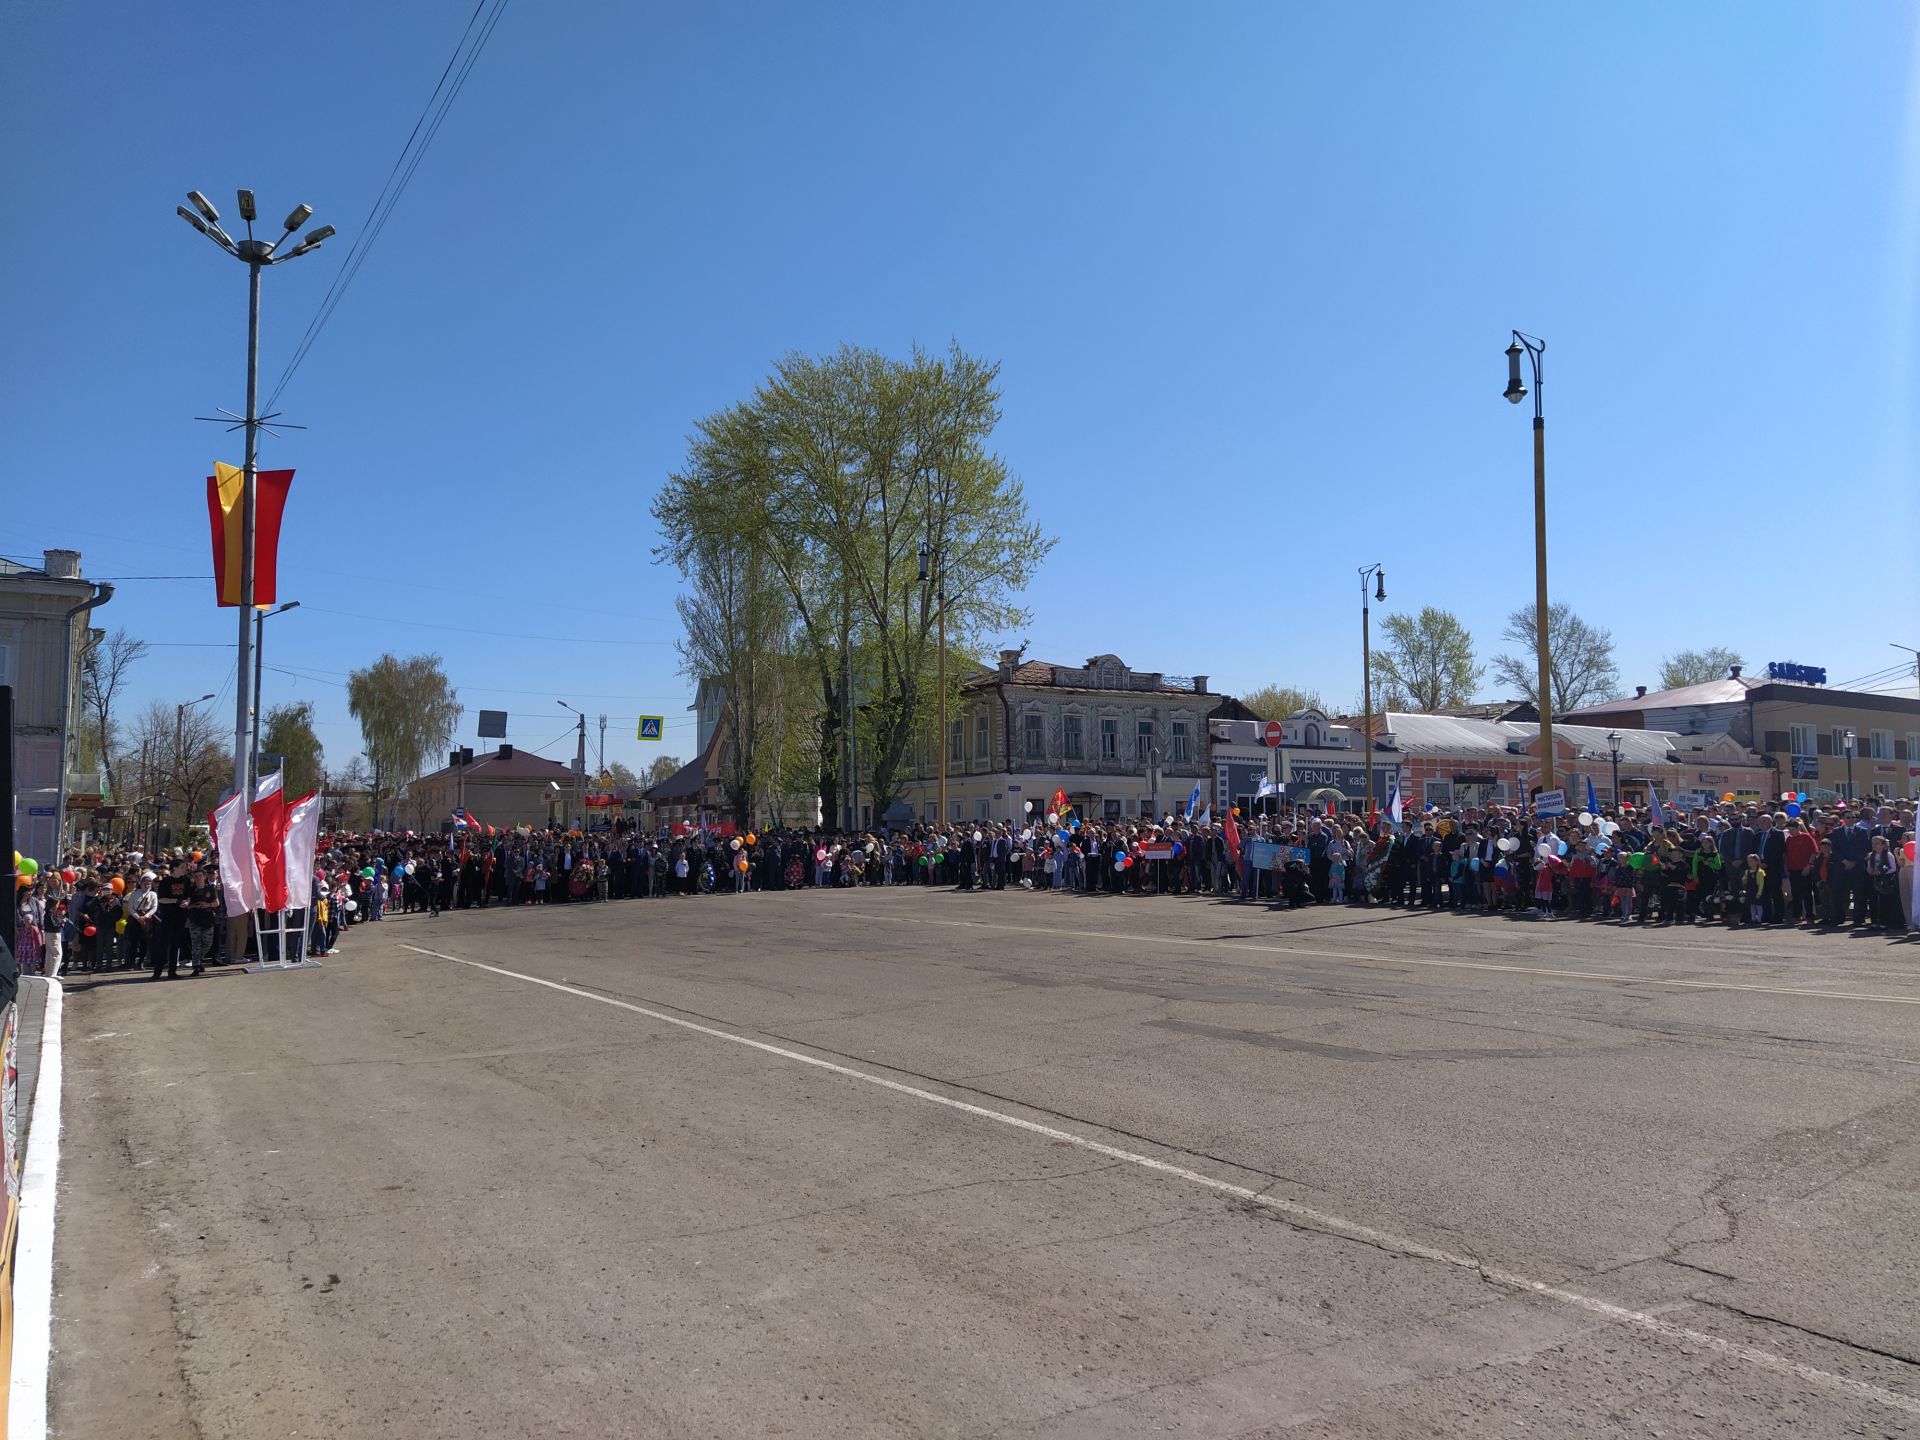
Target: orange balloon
[[196, 855], [117, 885]]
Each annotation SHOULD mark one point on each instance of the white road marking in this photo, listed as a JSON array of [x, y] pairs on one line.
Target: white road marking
[[1354, 955], [33, 1253], [1307, 1215]]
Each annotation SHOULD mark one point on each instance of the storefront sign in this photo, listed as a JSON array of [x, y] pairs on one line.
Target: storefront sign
[[1348, 781], [1806, 767], [1550, 803], [1803, 674]]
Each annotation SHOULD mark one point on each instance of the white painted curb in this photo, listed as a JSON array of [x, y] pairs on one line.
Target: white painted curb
[[33, 1250]]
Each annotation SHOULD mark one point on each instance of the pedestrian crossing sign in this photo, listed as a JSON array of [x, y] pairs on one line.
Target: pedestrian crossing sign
[[651, 725]]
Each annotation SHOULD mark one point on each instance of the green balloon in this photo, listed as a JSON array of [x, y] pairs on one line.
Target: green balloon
[[1637, 860], [29, 865], [367, 873]]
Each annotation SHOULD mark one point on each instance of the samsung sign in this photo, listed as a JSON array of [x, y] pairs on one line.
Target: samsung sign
[[1800, 674]]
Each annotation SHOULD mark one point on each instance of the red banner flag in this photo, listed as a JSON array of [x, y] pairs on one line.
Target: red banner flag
[[224, 515], [269, 810], [1232, 831]]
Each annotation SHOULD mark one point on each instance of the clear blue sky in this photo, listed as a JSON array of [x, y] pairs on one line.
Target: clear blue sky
[[1249, 269]]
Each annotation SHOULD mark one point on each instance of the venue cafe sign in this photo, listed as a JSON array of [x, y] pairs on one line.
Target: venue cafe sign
[[1344, 778]]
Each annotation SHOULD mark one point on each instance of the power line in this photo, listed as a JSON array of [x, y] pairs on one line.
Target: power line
[[490, 634], [398, 178]]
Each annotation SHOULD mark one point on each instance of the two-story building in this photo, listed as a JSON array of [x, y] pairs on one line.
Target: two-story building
[[1316, 762], [1119, 741], [43, 640], [1828, 742]]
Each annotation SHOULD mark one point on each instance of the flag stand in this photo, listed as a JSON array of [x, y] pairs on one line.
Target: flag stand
[[279, 963]]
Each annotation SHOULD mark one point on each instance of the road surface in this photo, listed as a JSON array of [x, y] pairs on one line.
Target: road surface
[[901, 1163]]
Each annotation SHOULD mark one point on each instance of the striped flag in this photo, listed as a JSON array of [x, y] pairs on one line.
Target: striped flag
[[225, 515]]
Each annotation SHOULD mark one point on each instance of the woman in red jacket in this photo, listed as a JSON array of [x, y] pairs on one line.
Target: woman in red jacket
[[1803, 863]]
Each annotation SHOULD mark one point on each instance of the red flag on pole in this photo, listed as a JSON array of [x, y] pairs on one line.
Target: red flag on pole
[[1232, 831], [224, 515], [269, 811]]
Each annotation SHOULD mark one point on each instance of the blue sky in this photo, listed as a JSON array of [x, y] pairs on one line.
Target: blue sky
[[1249, 270]]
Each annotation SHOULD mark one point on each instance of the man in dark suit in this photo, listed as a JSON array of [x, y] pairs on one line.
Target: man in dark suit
[[1770, 845]]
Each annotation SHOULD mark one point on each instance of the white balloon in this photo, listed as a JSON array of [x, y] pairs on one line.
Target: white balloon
[[978, 837], [1507, 844], [1586, 817]]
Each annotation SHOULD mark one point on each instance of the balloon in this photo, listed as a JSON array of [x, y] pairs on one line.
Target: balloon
[[117, 885], [1236, 809], [1543, 849], [120, 926], [1600, 847], [28, 866], [1728, 797], [1793, 809], [1637, 860], [195, 855], [1053, 817], [366, 872], [1908, 847], [752, 839], [1611, 827], [1501, 868], [1586, 816], [1506, 843], [68, 876], [1120, 863], [1561, 843], [1060, 836], [351, 905], [820, 855], [1178, 849], [1073, 825], [1029, 807], [23, 881], [941, 858], [734, 844], [88, 931], [978, 837], [741, 865], [1801, 797], [1786, 795]]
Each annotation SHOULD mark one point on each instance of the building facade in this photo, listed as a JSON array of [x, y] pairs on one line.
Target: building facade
[[1803, 732], [1119, 741], [1317, 762], [503, 789], [44, 636]]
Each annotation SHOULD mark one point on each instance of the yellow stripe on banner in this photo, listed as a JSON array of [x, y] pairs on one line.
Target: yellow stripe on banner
[[232, 482]]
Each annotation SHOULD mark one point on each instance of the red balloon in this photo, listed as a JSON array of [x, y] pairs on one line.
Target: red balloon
[[88, 932]]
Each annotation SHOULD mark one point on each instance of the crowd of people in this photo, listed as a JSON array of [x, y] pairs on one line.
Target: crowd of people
[[1820, 866]]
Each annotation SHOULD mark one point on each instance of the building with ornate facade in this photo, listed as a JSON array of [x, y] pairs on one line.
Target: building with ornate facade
[[1119, 741]]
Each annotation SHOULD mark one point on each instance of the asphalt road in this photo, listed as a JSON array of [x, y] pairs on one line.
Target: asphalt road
[[892, 1163]]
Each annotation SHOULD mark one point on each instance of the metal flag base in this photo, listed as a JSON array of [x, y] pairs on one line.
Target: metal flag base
[[278, 964], [267, 968]]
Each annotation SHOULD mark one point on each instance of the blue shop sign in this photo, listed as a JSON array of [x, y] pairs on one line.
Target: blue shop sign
[[1803, 674], [1347, 781]]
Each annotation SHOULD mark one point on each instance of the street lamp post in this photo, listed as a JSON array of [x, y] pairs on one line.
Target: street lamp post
[[579, 767], [1613, 749], [260, 618], [1516, 391], [256, 255], [1379, 577], [1847, 742]]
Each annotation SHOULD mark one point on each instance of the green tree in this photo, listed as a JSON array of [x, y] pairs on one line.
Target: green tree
[[407, 710], [1427, 660], [1581, 668], [288, 732], [829, 482], [1277, 702], [1696, 667], [663, 768]]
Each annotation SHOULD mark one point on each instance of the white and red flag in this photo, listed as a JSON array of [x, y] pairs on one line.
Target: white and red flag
[[303, 835], [269, 812], [232, 828]]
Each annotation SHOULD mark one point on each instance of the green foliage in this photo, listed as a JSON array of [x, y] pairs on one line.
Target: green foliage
[[1696, 667], [288, 731], [407, 710], [1277, 702], [821, 491], [1427, 661]]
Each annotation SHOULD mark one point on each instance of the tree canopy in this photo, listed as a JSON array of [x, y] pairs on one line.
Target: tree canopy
[[1696, 667], [407, 710], [288, 732], [1427, 659], [1277, 702], [1581, 667]]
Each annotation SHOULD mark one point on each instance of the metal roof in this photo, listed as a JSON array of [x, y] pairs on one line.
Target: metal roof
[[1458, 735], [1725, 691]]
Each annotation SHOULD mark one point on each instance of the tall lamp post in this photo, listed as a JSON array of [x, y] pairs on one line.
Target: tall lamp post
[[256, 255], [1516, 391], [1379, 577], [579, 767], [1848, 740], [1613, 749], [260, 618]]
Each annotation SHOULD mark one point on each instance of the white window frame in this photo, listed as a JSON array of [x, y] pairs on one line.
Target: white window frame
[[982, 737], [956, 811], [1840, 742], [983, 809], [1883, 790], [1913, 747], [1880, 744], [1803, 740]]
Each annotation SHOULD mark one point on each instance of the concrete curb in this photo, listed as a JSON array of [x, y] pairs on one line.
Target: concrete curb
[[33, 1252]]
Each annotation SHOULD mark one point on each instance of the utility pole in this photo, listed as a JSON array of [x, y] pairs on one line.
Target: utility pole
[[600, 767], [1916, 675]]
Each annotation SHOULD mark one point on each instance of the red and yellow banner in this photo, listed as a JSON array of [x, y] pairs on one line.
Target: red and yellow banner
[[224, 514]]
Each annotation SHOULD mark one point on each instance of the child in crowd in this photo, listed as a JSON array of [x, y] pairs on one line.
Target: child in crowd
[[1337, 852], [1753, 882]]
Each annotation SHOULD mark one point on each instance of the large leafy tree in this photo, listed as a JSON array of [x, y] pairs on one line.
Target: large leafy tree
[[1581, 667], [288, 732], [832, 479], [1696, 667], [1427, 660], [407, 710]]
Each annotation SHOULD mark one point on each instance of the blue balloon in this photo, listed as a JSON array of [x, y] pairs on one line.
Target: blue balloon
[[1563, 846], [1794, 809], [1073, 825], [1061, 836]]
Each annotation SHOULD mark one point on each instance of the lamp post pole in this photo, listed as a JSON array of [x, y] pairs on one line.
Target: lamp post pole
[[256, 255], [260, 618], [1613, 749], [1848, 740], [1379, 576], [1516, 391]]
